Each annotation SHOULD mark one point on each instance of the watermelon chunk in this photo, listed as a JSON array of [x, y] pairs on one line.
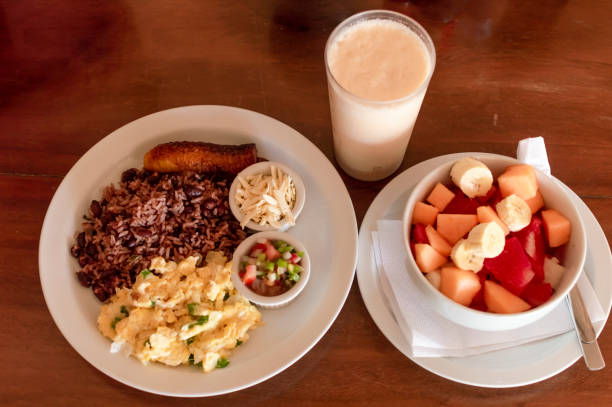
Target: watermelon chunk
[[512, 267], [537, 293], [532, 240], [483, 200], [461, 204], [418, 234]]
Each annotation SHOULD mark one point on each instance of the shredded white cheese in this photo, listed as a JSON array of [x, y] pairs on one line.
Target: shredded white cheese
[[266, 198]]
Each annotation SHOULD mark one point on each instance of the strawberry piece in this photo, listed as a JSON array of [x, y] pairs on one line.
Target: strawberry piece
[[419, 235], [533, 242], [250, 273], [258, 249], [483, 200], [537, 293], [512, 267], [271, 252], [462, 205]]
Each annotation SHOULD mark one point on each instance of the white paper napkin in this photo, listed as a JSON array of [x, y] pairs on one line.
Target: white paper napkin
[[431, 335]]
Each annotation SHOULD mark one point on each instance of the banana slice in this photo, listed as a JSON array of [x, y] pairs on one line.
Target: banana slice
[[489, 238], [467, 256], [472, 177], [514, 212]]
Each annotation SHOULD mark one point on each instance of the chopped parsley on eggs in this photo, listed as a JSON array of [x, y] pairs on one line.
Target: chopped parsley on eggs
[[180, 314]]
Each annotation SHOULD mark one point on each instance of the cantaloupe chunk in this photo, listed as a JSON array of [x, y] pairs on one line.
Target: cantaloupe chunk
[[487, 214], [502, 301], [518, 180], [440, 196], [536, 203], [427, 258], [453, 227], [557, 228], [459, 285], [437, 241], [425, 214]]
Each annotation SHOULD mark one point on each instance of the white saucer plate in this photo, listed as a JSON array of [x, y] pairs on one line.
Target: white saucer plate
[[518, 366]]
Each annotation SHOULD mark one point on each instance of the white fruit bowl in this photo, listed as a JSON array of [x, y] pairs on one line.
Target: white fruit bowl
[[554, 198]]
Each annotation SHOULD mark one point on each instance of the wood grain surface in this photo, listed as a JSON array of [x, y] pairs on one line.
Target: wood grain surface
[[73, 71]]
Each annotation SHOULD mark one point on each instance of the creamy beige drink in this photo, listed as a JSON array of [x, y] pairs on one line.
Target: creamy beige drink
[[378, 66]]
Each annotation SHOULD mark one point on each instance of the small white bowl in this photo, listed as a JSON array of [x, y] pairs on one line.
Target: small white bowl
[[264, 167], [554, 198], [278, 300]]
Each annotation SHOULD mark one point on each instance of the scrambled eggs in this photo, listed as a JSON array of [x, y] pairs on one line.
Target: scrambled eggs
[[187, 315]]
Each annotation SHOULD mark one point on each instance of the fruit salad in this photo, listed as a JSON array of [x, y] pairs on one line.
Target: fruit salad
[[490, 244], [271, 267]]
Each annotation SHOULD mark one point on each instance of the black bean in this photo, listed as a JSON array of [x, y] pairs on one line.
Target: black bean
[[131, 243], [83, 279], [81, 240], [129, 175], [100, 292], [107, 218], [75, 251], [83, 261], [140, 231], [95, 208], [210, 203], [91, 250], [153, 178], [193, 192], [188, 209]]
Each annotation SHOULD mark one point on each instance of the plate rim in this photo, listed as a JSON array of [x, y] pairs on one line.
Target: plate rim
[[341, 296], [365, 240]]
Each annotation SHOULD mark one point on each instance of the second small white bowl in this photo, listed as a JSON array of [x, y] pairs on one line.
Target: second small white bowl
[[264, 168], [276, 301]]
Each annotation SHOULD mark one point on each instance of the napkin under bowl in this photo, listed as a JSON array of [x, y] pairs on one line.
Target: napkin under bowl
[[554, 196]]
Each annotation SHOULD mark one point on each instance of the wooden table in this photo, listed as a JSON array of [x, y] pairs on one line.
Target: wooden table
[[73, 71]]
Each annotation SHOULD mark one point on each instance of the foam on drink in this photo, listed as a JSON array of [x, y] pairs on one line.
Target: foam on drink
[[378, 66]]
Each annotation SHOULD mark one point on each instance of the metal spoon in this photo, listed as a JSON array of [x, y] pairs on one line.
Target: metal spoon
[[588, 340]]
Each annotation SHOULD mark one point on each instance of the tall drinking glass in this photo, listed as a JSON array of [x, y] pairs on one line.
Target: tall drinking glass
[[375, 97]]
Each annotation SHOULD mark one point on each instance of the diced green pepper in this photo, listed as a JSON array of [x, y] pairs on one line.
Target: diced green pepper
[[221, 363], [145, 272], [124, 311], [261, 257], [201, 321], [114, 323], [270, 266], [190, 340], [281, 263], [191, 308], [301, 254]]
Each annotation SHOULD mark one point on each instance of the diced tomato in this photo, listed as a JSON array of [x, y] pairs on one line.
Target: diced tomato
[[295, 259], [271, 253], [537, 293], [418, 234], [257, 249], [250, 274]]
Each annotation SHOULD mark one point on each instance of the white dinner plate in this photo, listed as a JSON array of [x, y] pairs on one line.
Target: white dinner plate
[[327, 226], [512, 367]]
